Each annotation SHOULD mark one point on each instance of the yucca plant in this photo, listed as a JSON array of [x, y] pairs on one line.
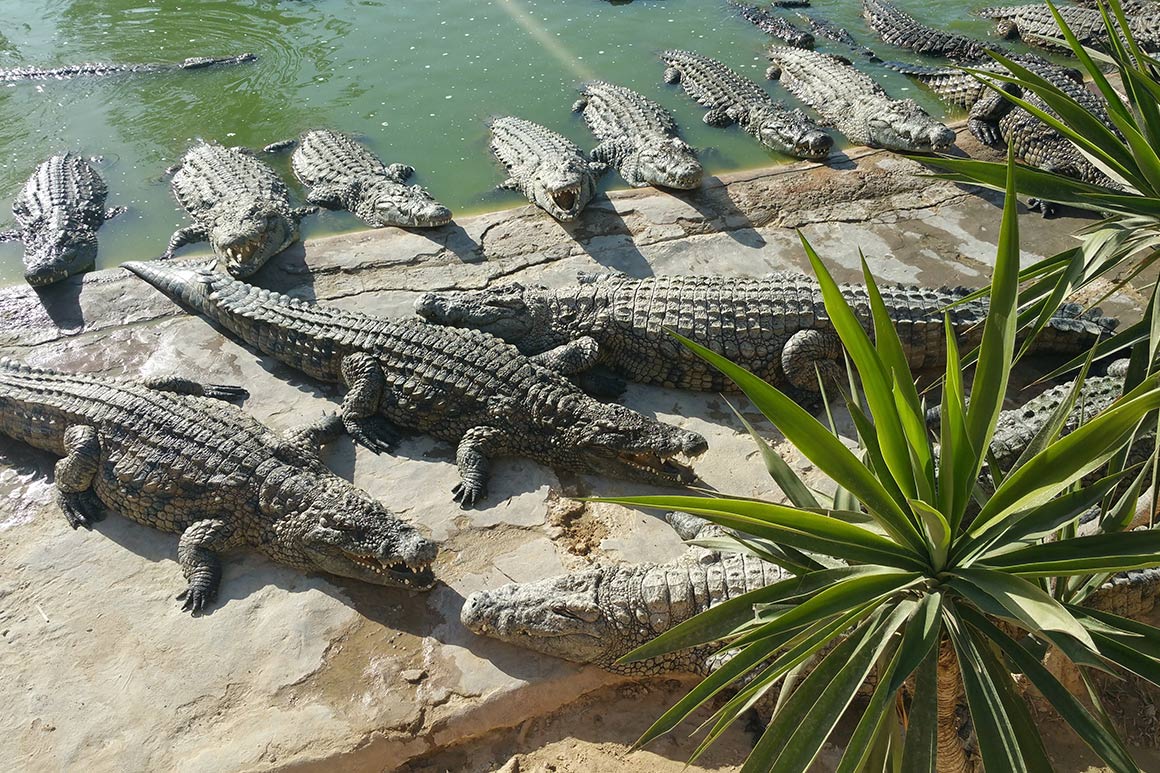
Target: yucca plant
[[900, 575]]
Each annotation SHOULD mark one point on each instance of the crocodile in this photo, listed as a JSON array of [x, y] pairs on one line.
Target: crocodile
[[638, 137], [343, 174], [777, 26], [775, 326], [997, 121], [548, 168], [827, 29], [731, 98], [1035, 25], [59, 211], [853, 103], [239, 204], [10, 75], [462, 386], [170, 454], [904, 31]]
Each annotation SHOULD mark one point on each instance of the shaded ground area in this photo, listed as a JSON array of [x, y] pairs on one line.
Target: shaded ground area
[[308, 673]]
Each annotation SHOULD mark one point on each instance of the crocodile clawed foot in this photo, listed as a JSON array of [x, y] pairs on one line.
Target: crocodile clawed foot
[[226, 392], [81, 508], [197, 597], [467, 494], [372, 432], [1045, 208]]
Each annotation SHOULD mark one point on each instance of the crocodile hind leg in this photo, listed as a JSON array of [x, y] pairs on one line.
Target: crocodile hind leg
[[74, 477], [400, 173], [472, 457], [185, 386], [10, 236], [576, 360], [809, 353], [360, 409], [310, 438], [183, 236], [197, 554], [112, 212]]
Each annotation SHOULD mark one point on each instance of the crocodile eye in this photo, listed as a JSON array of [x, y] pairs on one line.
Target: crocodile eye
[[563, 611]]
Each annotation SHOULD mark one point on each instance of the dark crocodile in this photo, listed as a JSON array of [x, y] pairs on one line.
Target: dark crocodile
[[462, 386], [733, 98], [167, 453], [827, 29], [100, 68], [343, 174], [638, 137], [59, 211], [775, 326], [904, 31], [771, 24], [1035, 25], [239, 204], [854, 104], [548, 168]]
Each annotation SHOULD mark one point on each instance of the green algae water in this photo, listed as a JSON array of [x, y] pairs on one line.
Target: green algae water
[[414, 80]]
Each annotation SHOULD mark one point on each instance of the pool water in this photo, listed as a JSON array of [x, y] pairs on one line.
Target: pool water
[[414, 80]]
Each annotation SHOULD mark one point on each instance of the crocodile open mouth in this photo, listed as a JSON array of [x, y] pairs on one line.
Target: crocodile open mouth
[[243, 251], [655, 465], [566, 198], [418, 576]]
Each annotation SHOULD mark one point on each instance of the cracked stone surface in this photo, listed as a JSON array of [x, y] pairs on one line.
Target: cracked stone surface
[[102, 670]]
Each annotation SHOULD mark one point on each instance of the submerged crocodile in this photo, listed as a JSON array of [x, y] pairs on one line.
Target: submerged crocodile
[[59, 211], [239, 204], [1035, 25], [775, 326], [167, 453], [904, 31], [100, 68], [548, 168], [638, 137], [853, 103], [342, 174], [462, 386], [827, 29], [733, 98], [771, 24]]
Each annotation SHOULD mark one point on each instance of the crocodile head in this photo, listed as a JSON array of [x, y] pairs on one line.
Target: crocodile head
[[789, 132], [387, 203], [558, 616], [904, 126], [327, 525], [57, 250], [562, 189], [508, 311], [666, 161], [249, 234]]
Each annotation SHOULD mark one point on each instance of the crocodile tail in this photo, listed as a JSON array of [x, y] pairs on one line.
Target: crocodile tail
[[189, 284], [1074, 329], [918, 70]]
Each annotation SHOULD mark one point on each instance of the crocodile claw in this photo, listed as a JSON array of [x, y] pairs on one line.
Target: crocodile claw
[[372, 432], [226, 392], [200, 593], [1045, 208], [81, 508], [467, 494]]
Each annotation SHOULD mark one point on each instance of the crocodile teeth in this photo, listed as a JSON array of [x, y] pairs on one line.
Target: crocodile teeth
[[565, 198]]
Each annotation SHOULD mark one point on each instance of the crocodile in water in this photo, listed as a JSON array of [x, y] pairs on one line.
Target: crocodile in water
[[1035, 25], [771, 24], [904, 31], [548, 168], [101, 68]]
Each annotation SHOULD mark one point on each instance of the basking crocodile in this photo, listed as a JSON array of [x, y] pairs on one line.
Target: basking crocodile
[[904, 31], [343, 174], [777, 26], [100, 68], [167, 453], [241, 206], [638, 137], [853, 103], [775, 326], [831, 31], [997, 121], [1035, 25], [548, 168], [733, 98], [463, 386], [59, 211]]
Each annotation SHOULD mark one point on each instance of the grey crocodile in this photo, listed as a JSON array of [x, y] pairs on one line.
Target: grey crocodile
[[343, 174], [59, 211], [101, 68], [827, 29], [997, 121], [169, 454], [771, 24], [1035, 25], [239, 204], [462, 386], [548, 168], [775, 326], [853, 103], [732, 98], [904, 31], [638, 137]]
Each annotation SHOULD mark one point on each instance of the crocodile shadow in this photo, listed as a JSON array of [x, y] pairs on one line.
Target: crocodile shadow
[[62, 303], [602, 234], [720, 212]]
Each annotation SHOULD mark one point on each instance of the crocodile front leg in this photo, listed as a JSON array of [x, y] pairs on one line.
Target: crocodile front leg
[[197, 554], [11, 236], [570, 358], [809, 353], [112, 212], [983, 119], [183, 236], [185, 386], [400, 173], [360, 409], [331, 196], [300, 213], [474, 463], [74, 477]]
